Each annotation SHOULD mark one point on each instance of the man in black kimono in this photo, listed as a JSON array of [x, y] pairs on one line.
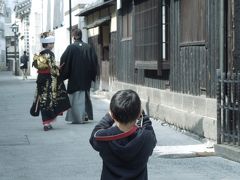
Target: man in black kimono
[[79, 65]]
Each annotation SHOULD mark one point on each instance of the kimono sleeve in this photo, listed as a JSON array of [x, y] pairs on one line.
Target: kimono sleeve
[[65, 63]]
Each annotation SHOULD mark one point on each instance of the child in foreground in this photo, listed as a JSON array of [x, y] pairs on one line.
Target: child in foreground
[[123, 143]]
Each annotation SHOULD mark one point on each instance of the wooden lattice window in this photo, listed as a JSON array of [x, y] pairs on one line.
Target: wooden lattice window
[[151, 40]]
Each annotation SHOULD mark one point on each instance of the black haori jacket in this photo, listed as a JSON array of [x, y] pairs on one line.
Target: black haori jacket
[[79, 65], [125, 154]]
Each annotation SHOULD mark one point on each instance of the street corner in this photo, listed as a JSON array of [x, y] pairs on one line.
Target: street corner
[[184, 151]]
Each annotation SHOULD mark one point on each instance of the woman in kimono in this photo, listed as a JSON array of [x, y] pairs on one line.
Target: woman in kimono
[[51, 93]]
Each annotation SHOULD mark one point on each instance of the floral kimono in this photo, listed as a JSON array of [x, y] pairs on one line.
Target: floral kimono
[[51, 91]]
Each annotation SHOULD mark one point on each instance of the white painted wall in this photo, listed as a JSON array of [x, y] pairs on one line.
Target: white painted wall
[[2, 38], [35, 29], [62, 36]]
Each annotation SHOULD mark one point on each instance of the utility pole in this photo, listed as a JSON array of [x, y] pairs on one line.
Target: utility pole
[[15, 31], [70, 21]]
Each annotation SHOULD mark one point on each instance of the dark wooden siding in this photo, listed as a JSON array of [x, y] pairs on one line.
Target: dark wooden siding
[[213, 46], [192, 69], [192, 66], [93, 41], [125, 62], [156, 83], [188, 59], [192, 24], [175, 83], [113, 55]]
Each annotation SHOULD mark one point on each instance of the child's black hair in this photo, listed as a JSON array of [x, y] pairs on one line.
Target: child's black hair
[[125, 106]]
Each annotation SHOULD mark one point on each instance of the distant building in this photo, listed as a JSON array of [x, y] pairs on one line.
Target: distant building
[[22, 11], [9, 41], [37, 17], [2, 36]]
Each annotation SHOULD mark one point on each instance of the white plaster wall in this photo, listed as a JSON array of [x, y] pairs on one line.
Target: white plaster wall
[[35, 29], [196, 114], [2, 45]]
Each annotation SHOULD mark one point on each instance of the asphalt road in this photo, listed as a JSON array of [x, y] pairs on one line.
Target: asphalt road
[[64, 153]]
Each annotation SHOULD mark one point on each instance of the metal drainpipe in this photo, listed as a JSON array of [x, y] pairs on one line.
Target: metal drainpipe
[[220, 70], [221, 40], [70, 21], [234, 40]]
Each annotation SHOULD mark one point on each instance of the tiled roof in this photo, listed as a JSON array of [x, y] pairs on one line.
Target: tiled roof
[[22, 8]]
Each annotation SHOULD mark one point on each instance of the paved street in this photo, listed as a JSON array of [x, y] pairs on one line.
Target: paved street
[[64, 153]]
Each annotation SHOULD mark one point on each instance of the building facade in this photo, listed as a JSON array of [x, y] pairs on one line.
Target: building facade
[[54, 16], [154, 48], [181, 56], [2, 36], [22, 13]]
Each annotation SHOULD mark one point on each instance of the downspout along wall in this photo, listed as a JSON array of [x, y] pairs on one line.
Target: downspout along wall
[[236, 51]]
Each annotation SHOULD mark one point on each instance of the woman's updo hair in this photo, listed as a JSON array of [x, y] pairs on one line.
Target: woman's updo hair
[[47, 38]]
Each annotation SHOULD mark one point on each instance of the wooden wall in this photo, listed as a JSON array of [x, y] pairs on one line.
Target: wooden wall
[[192, 66], [93, 41], [175, 82], [213, 45], [124, 63], [112, 55], [190, 70]]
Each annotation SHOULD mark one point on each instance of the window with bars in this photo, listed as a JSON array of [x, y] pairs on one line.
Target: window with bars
[[151, 38]]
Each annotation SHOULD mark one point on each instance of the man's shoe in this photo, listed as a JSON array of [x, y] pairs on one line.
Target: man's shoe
[[87, 118], [78, 122]]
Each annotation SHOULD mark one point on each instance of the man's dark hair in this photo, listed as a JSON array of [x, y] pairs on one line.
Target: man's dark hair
[[24, 52], [77, 34], [125, 106]]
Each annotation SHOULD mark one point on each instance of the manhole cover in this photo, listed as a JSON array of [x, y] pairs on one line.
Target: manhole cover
[[14, 141]]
